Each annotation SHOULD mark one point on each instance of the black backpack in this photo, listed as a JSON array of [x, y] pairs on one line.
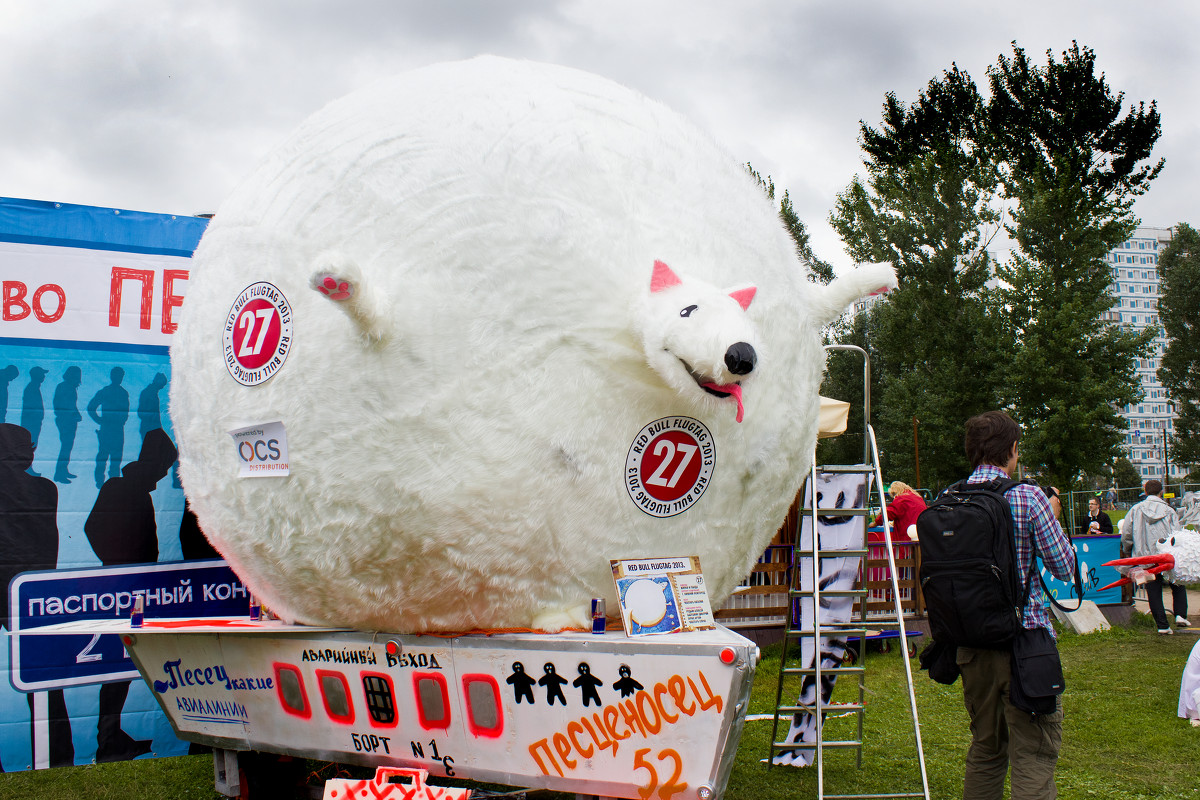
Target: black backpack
[[973, 593]]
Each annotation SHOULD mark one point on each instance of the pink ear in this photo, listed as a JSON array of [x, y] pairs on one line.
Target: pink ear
[[663, 277], [744, 296]]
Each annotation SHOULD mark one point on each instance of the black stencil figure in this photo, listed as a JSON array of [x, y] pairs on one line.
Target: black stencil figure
[[66, 419], [587, 683], [626, 685], [553, 683], [122, 530], [29, 541], [521, 682], [112, 403], [33, 408], [149, 409], [7, 376]]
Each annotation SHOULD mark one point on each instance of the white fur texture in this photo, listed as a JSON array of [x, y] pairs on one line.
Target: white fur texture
[[1184, 546], [458, 423]]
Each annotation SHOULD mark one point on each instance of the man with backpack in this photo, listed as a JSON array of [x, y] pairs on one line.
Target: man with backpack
[[982, 604]]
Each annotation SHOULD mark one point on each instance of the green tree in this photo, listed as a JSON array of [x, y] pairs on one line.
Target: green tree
[[1127, 479], [819, 271], [928, 205], [1179, 313], [1072, 165]]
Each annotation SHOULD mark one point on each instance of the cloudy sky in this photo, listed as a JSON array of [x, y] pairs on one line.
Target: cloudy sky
[[163, 105]]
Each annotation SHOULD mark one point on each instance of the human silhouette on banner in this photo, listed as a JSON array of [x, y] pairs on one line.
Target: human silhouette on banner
[[192, 541], [112, 403], [7, 376], [33, 408], [122, 530], [66, 419], [29, 541], [149, 409]]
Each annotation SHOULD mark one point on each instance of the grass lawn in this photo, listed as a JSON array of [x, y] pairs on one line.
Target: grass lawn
[[1121, 737]]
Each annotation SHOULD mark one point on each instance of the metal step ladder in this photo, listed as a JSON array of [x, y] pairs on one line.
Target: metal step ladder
[[795, 632]]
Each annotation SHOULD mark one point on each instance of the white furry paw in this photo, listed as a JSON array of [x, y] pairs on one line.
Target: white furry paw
[[554, 620], [333, 287]]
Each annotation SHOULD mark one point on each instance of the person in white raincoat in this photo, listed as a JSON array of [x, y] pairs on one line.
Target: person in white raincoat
[[1189, 688], [1146, 523]]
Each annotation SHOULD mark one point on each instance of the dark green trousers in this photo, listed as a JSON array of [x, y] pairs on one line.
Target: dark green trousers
[[1003, 736]]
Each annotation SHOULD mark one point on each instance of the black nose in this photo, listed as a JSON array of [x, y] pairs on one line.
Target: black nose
[[740, 358]]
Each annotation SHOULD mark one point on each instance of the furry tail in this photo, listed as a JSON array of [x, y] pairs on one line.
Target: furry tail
[[863, 281]]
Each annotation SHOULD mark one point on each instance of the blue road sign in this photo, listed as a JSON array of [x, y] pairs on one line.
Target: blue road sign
[[185, 589]]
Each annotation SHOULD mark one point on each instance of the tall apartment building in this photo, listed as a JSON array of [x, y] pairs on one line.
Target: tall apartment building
[[1134, 265]]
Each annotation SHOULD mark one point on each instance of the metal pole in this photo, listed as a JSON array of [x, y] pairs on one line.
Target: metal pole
[[895, 581], [1167, 463], [866, 393], [916, 452]]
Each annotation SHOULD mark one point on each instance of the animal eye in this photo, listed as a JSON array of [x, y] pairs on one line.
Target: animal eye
[[687, 312]]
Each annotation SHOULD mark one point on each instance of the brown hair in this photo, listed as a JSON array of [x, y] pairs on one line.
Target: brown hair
[[1153, 486], [990, 438]]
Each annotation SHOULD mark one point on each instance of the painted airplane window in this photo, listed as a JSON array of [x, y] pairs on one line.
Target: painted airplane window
[[483, 705], [336, 694], [291, 690], [381, 702], [432, 700]]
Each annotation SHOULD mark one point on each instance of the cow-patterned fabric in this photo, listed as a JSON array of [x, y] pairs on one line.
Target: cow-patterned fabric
[[836, 574]]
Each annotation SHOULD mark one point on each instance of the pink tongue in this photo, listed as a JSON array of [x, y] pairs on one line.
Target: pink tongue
[[734, 391]]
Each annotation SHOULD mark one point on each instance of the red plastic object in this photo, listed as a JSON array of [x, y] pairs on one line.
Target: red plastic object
[[381, 788], [1162, 562]]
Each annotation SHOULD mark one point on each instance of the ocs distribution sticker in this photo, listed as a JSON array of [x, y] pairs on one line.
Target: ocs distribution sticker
[[262, 450], [258, 334], [669, 465]]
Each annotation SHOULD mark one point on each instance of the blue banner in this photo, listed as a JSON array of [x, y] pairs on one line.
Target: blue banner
[[1090, 552], [89, 302]]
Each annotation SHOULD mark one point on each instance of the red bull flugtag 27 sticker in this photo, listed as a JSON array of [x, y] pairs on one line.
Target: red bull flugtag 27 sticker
[[669, 465], [258, 334]]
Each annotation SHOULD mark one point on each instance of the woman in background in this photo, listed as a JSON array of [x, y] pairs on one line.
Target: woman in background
[[902, 512]]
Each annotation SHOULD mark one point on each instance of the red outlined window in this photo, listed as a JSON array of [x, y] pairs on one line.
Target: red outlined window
[[433, 700], [335, 694], [485, 711], [290, 688], [381, 699]]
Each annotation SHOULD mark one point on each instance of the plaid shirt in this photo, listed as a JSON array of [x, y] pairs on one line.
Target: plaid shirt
[[1032, 516]]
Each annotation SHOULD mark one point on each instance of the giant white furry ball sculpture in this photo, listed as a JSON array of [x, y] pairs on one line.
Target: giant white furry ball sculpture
[[516, 320]]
